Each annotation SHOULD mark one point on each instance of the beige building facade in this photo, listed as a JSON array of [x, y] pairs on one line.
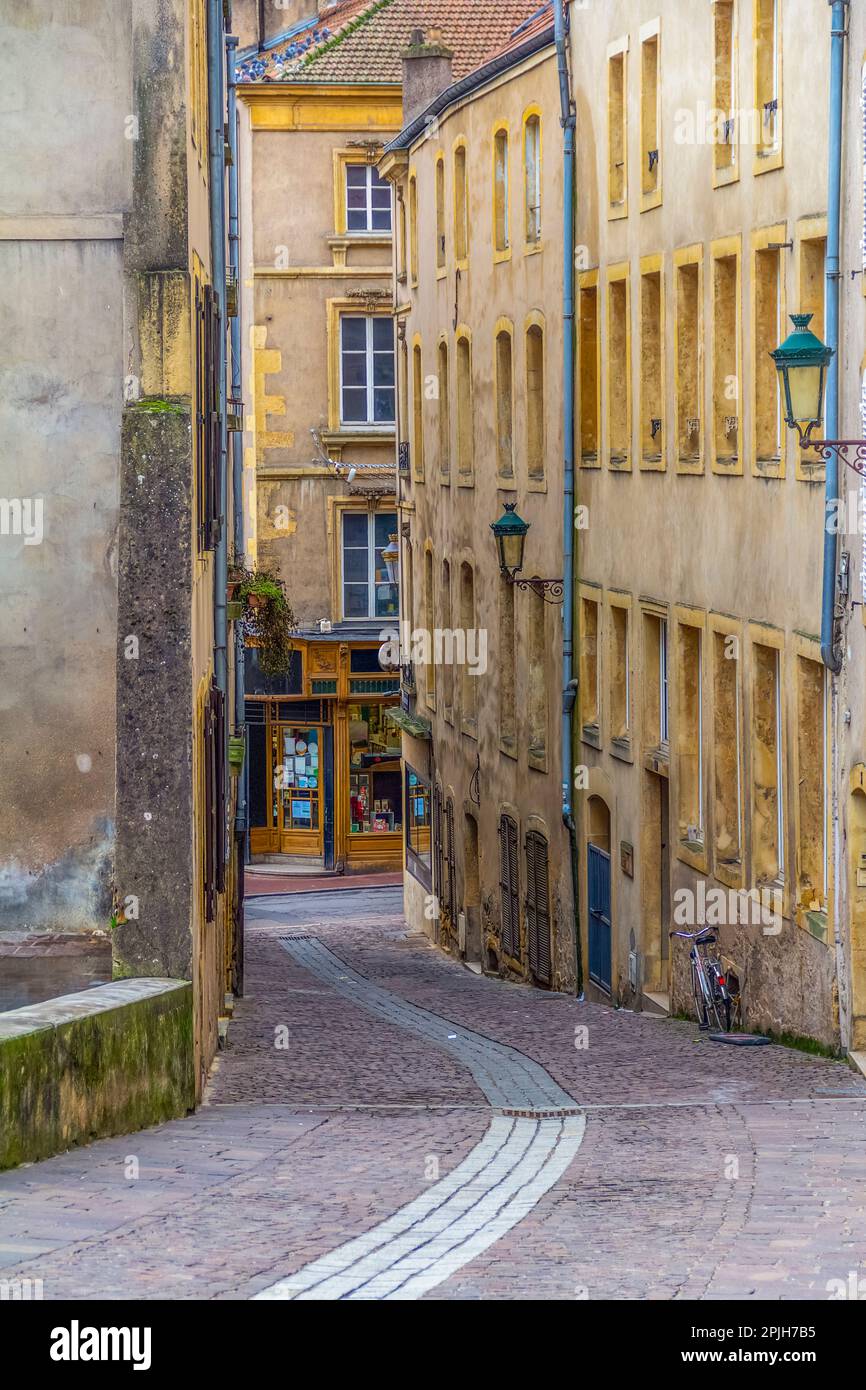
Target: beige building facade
[[478, 179], [705, 715]]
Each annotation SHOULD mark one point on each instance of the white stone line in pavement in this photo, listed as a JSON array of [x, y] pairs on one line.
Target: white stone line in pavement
[[473, 1242], [498, 1183]]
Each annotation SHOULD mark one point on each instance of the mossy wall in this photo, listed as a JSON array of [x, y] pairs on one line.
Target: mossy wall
[[109, 1060]]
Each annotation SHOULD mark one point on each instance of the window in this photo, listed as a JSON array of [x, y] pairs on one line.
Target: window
[[418, 838], [688, 358], [368, 200], [445, 617], [619, 674], [811, 785], [767, 326], [501, 230], [617, 182], [451, 861], [535, 401], [417, 413], [725, 91], [440, 212], [590, 672], [654, 685], [812, 285], [768, 97], [375, 799], [208, 414], [588, 350], [618, 368], [507, 654], [688, 733], [465, 440], [768, 831], [198, 80], [461, 205], [403, 249], [726, 356], [430, 624], [727, 753], [538, 906], [664, 722], [413, 229], [509, 888], [366, 370], [650, 97], [652, 392], [404, 391], [504, 404], [469, 684], [444, 412], [367, 591], [532, 179], [537, 680]]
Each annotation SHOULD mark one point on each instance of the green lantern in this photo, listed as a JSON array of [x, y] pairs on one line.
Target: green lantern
[[510, 532], [802, 361]]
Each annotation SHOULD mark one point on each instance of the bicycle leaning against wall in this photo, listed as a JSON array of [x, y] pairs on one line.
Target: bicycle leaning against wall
[[713, 1002]]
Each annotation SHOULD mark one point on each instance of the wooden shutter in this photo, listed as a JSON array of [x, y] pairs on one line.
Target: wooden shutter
[[213, 419], [452, 864], [208, 743], [220, 786], [508, 887], [538, 906], [201, 447]]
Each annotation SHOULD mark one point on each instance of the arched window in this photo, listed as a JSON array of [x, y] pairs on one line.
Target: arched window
[[535, 401]]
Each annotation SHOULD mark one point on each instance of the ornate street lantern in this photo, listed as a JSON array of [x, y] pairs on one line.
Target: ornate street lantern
[[510, 532], [802, 361]]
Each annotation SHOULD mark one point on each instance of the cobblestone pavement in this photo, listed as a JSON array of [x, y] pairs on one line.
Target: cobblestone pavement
[[337, 1122]]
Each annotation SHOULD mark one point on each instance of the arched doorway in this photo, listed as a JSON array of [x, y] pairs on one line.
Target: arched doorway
[[598, 893], [471, 889]]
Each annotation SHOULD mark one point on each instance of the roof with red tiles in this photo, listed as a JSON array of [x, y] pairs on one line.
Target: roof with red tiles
[[361, 41]]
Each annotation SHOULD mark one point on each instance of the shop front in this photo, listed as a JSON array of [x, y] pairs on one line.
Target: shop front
[[324, 774]]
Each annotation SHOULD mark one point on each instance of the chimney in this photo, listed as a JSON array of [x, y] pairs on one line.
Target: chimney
[[427, 71]]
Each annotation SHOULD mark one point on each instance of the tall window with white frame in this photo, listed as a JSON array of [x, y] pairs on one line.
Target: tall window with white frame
[[367, 590], [501, 230], [367, 371], [664, 724], [368, 200], [532, 179]]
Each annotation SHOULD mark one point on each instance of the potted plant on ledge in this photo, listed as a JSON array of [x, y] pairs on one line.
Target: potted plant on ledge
[[269, 620]]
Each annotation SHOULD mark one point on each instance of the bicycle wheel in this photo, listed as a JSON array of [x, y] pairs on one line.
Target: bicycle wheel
[[719, 1000], [699, 997]]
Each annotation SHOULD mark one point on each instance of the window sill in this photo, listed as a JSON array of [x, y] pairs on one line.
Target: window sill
[[691, 465], [693, 853], [469, 727], [766, 163], [591, 734], [730, 465], [815, 922], [508, 746], [466, 480], [653, 463], [769, 468], [658, 760], [621, 748], [506, 482], [538, 758], [726, 175], [500, 256], [536, 485], [533, 248], [729, 872], [441, 272], [619, 463], [590, 461], [616, 211], [651, 200]]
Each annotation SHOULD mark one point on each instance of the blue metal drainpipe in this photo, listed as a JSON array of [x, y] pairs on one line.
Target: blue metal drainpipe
[[237, 436], [216, 142], [568, 697], [829, 655]]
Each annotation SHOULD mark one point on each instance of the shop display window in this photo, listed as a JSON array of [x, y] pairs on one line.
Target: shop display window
[[375, 802]]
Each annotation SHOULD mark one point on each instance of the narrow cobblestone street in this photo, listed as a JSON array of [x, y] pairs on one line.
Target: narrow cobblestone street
[[386, 1124]]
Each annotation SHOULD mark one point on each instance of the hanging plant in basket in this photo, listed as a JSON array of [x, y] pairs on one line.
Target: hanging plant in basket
[[269, 619]]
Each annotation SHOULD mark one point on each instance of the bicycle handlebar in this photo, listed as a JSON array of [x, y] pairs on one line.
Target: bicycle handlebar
[[691, 935]]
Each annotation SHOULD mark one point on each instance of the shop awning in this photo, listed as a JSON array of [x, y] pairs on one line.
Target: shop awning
[[412, 724]]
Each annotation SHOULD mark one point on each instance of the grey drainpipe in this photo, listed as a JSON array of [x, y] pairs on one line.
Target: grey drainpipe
[[569, 688], [237, 436], [216, 104], [830, 656]]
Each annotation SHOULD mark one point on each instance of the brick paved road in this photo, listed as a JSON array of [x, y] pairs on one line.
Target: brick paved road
[[703, 1171]]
